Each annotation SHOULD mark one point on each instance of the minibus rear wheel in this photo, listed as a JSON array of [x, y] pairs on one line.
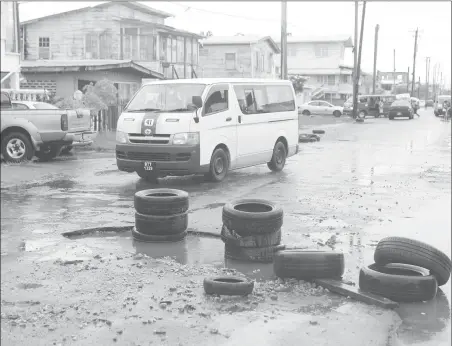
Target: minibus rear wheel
[[279, 158]]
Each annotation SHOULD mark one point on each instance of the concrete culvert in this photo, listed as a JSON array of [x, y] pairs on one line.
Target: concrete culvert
[[228, 285], [398, 282], [252, 216], [161, 202], [308, 265], [417, 253]]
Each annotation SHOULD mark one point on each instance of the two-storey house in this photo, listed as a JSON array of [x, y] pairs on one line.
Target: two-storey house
[[239, 56], [388, 81], [327, 62], [10, 56], [121, 41]]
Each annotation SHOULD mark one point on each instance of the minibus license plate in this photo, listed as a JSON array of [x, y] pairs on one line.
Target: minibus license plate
[[399, 113], [149, 166]]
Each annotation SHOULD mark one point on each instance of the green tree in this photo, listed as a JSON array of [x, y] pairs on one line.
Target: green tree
[[298, 82]]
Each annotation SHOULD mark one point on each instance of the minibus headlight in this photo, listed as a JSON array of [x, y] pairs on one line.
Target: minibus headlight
[[121, 137], [189, 138]]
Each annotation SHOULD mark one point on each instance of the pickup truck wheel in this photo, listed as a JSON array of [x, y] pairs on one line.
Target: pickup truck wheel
[[48, 153], [337, 114], [66, 150], [16, 147]]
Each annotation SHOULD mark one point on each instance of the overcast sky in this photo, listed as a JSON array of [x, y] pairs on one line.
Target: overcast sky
[[397, 20]]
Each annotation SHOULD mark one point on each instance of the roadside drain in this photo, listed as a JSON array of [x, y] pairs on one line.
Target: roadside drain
[[198, 248]]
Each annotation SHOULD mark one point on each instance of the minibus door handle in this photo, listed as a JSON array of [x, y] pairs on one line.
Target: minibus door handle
[[228, 119], [240, 119]]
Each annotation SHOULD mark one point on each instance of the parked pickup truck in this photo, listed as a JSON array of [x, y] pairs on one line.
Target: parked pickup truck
[[40, 132]]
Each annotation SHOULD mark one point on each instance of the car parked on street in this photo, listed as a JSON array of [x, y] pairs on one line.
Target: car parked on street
[[368, 105], [430, 103], [321, 108], [41, 132], [77, 126], [440, 110], [401, 109]]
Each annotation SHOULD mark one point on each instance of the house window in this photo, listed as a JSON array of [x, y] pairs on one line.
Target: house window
[[344, 79], [331, 80], [106, 44], [321, 52], [147, 47], [174, 50], [256, 61], [180, 49], [195, 52], [230, 61], [44, 48], [293, 52], [262, 65], [91, 46], [188, 45], [322, 79], [270, 63]]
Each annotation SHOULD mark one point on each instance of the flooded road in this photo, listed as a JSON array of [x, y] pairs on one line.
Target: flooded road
[[360, 183]]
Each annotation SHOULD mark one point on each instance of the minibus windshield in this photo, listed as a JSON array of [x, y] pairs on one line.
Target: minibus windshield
[[165, 97]]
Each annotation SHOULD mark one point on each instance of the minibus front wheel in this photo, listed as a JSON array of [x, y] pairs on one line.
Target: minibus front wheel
[[278, 160], [148, 176], [219, 165]]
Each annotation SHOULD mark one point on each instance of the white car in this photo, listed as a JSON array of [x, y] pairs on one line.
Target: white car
[[81, 138], [321, 108]]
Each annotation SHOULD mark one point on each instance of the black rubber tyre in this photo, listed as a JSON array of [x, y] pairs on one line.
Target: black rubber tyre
[[261, 254], [161, 202], [362, 114], [359, 120], [48, 153], [67, 149], [151, 238], [337, 114], [409, 251], [279, 156], [21, 140], [398, 282], [219, 165], [391, 118], [228, 286], [252, 217], [161, 225], [318, 132], [306, 112], [316, 137], [308, 265], [304, 139], [252, 241], [148, 176]]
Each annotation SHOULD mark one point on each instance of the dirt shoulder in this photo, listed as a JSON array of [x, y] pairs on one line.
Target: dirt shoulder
[[102, 298]]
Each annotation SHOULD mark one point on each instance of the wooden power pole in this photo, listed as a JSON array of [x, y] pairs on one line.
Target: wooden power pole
[[355, 62], [414, 62], [427, 67], [283, 39], [377, 27]]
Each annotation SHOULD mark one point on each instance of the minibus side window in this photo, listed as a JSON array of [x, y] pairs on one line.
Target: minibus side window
[[280, 99], [217, 101]]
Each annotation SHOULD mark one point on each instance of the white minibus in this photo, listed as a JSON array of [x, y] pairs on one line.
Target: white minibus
[[207, 126]]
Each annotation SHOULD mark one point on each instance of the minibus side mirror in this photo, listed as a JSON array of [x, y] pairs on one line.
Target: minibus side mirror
[[196, 104]]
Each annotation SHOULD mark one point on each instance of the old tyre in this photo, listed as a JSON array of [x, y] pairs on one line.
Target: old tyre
[[262, 254], [151, 238], [391, 118], [252, 216], [67, 149], [278, 158], [308, 265], [304, 139], [228, 286], [337, 114], [306, 112], [161, 225], [318, 132], [161, 202], [359, 120], [16, 147], [253, 241], [219, 165], [47, 153], [409, 251], [150, 177], [362, 114], [316, 137], [398, 282]]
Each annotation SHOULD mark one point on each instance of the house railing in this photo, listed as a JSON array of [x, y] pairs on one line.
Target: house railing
[[28, 94]]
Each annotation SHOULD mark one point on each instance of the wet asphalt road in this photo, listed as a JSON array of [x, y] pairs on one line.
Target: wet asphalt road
[[360, 183]]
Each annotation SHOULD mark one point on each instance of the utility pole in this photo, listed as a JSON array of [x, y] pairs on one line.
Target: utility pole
[[393, 75], [358, 67], [355, 63], [414, 61], [427, 62], [283, 39], [419, 87], [377, 27], [408, 81]]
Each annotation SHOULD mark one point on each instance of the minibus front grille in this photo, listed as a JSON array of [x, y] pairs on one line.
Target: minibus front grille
[[138, 138], [148, 156]]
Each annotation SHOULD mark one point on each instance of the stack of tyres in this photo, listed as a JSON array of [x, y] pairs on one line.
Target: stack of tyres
[[252, 230], [161, 215], [405, 270]]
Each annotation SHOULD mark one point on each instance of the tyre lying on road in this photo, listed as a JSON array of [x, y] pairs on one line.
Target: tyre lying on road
[[398, 282], [251, 230], [161, 215], [228, 286], [308, 264], [417, 253]]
